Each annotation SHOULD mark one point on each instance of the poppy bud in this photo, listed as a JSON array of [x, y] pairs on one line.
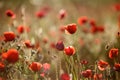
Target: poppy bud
[[60, 46], [62, 14], [10, 13]]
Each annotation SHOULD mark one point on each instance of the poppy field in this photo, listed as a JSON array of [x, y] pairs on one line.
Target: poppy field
[[59, 40]]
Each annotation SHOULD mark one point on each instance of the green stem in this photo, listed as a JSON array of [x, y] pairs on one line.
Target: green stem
[[116, 74], [35, 76]]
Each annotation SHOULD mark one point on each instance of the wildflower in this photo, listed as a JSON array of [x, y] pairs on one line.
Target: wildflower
[[46, 66], [71, 28], [87, 73], [11, 56], [84, 62], [69, 50], [64, 76], [52, 45], [35, 66], [60, 45], [4, 56], [9, 36], [100, 29], [82, 20], [117, 7], [93, 29], [98, 77], [102, 65], [113, 53], [62, 14], [117, 67], [92, 22], [20, 29], [10, 13], [28, 43], [2, 66], [41, 14]]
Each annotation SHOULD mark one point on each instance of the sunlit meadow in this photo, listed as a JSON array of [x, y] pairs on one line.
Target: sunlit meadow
[[59, 40]]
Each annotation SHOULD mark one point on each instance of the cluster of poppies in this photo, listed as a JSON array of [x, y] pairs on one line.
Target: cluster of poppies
[[12, 55], [101, 66]]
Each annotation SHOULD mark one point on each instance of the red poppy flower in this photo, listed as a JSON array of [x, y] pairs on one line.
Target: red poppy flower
[[28, 43], [98, 77], [71, 28], [100, 29], [10, 13], [82, 20], [65, 76], [117, 7], [87, 73], [20, 29], [2, 66], [93, 29], [92, 22], [113, 53], [4, 56], [117, 67], [11, 55], [69, 50], [60, 45], [9, 36], [35, 66], [62, 14], [102, 65], [41, 14]]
